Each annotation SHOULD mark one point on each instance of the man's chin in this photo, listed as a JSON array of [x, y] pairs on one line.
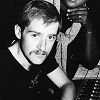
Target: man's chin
[[38, 62]]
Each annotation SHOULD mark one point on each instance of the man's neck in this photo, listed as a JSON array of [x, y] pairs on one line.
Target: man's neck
[[18, 55]]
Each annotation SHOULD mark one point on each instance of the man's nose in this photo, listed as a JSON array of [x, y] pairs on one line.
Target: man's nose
[[42, 45]]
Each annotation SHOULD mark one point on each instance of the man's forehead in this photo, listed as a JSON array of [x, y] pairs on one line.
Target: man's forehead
[[38, 25], [41, 21]]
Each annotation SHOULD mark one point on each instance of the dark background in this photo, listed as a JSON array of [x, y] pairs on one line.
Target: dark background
[[8, 13]]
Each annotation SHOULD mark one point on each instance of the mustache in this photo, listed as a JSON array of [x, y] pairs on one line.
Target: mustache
[[39, 52]]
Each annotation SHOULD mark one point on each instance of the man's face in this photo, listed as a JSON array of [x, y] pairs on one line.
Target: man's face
[[38, 39], [74, 3]]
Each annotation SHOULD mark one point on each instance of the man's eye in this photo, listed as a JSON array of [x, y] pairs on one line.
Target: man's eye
[[52, 37], [35, 35]]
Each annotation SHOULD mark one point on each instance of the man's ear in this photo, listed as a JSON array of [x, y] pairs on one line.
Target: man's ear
[[17, 31]]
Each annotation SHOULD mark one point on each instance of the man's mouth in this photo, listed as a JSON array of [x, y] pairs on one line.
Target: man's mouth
[[39, 53]]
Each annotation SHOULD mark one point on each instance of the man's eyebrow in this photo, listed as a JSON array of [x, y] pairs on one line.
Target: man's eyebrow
[[34, 31], [54, 34], [41, 33]]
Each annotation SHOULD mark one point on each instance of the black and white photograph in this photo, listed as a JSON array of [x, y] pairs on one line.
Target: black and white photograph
[[49, 50]]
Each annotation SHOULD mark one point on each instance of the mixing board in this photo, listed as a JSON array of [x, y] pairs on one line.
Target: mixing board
[[90, 90]]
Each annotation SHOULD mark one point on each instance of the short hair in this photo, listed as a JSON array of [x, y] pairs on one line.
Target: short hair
[[39, 9]]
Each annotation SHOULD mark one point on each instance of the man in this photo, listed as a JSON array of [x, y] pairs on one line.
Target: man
[[28, 59]]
